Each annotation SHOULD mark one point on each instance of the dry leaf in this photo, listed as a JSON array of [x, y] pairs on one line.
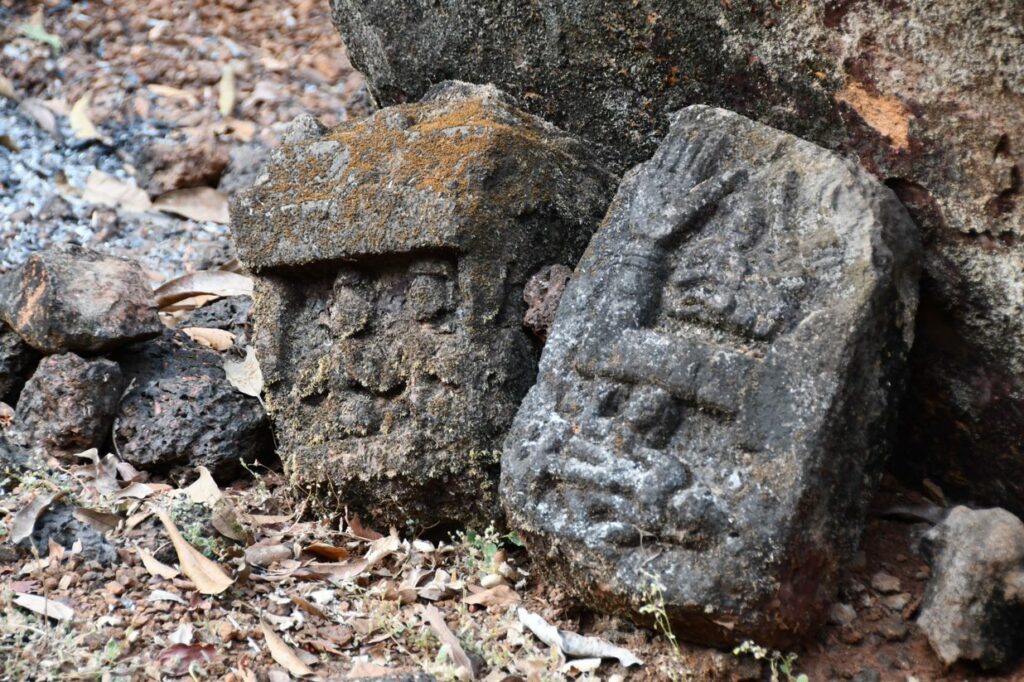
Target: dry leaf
[[245, 375], [139, 491], [157, 568], [226, 91], [265, 555], [573, 644], [381, 548], [202, 283], [107, 190], [357, 529], [225, 519], [217, 339], [100, 520], [307, 606], [44, 607], [436, 622], [283, 654], [499, 595], [204, 489], [368, 669], [81, 124], [270, 519], [25, 520], [183, 635], [40, 113], [208, 577], [177, 659], [327, 551], [203, 204], [164, 595], [173, 93], [7, 88]]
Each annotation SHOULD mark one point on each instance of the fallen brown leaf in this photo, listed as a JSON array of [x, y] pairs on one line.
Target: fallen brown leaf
[[178, 658], [107, 190], [440, 629], [203, 204], [25, 520], [356, 528], [208, 577], [245, 374], [327, 551], [100, 520], [44, 607], [204, 489], [217, 339], [40, 113], [226, 92], [283, 654], [157, 568], [81, 125], [497, 596], [202, 283]]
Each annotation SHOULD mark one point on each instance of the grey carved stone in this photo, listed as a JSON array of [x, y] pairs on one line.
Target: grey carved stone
[[391, 255], [716, 395]]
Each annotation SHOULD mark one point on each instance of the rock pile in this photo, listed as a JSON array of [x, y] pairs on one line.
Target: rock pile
[[718, 391], [163, 403], [391, 257]]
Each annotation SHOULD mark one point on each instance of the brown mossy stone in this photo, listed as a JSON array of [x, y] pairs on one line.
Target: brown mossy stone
[[391, 255]]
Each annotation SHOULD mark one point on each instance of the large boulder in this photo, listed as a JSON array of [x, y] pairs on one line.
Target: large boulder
[[937, 119], [973, 609], [716, 396], [68, 404], [71, 299], [391, 256], [180, 411]]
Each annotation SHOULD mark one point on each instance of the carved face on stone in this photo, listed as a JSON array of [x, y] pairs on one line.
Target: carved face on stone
[[391, 255]]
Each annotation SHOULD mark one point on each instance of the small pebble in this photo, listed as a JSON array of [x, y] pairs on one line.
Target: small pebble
[[841, 614], [885, 583], [896, 602]]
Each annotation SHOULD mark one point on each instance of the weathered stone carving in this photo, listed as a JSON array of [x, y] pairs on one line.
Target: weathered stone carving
[[716, 395], [395, 356], [937, 119]]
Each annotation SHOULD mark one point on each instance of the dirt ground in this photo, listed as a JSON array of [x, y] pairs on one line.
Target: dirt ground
[[269, 586]]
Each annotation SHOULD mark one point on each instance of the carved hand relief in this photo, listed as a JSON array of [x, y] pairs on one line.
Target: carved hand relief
[[711, 368]]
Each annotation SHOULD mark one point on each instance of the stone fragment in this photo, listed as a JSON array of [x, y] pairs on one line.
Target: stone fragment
[[167, 166], [938, 120], [715, 399], [391, 255], [230, 314], [17, 361], [973, 607], [841, 614], [542, 294], [886, 583], [59, 524], [244, 168], [68, 404], [181, 412], [74, 299]]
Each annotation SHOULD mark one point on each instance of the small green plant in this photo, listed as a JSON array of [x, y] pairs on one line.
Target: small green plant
[[654, 605], [780, 665]]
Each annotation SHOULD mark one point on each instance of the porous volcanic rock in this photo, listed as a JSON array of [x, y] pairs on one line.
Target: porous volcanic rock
[[181, 412], [973, 608], [716, 396], [73, 299], [391, 255], [939, 120], [167, 166], [68, 404], [17, 360]]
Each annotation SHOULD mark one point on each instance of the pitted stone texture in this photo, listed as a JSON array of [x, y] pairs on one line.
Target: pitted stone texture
[[68, 404], [716, 396], [74, 299], [181, 412], [542, 294], [17, 360], [395, 356], [938, 120], [973, 608]]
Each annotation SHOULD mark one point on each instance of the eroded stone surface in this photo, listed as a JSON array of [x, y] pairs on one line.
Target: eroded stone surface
[[68, 404], [181, 411], [391, 255], [17, 360], [973, 609], [717, 393], [939, 120], [73, 299]]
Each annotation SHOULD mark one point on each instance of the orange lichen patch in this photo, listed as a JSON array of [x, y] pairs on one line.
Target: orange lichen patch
[[886, 114]]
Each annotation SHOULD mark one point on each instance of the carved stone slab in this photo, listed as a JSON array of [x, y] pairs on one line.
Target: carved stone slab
[[716, 395], [391, 255]]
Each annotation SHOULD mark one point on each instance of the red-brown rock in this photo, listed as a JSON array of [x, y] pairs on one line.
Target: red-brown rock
[[74, 299]]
